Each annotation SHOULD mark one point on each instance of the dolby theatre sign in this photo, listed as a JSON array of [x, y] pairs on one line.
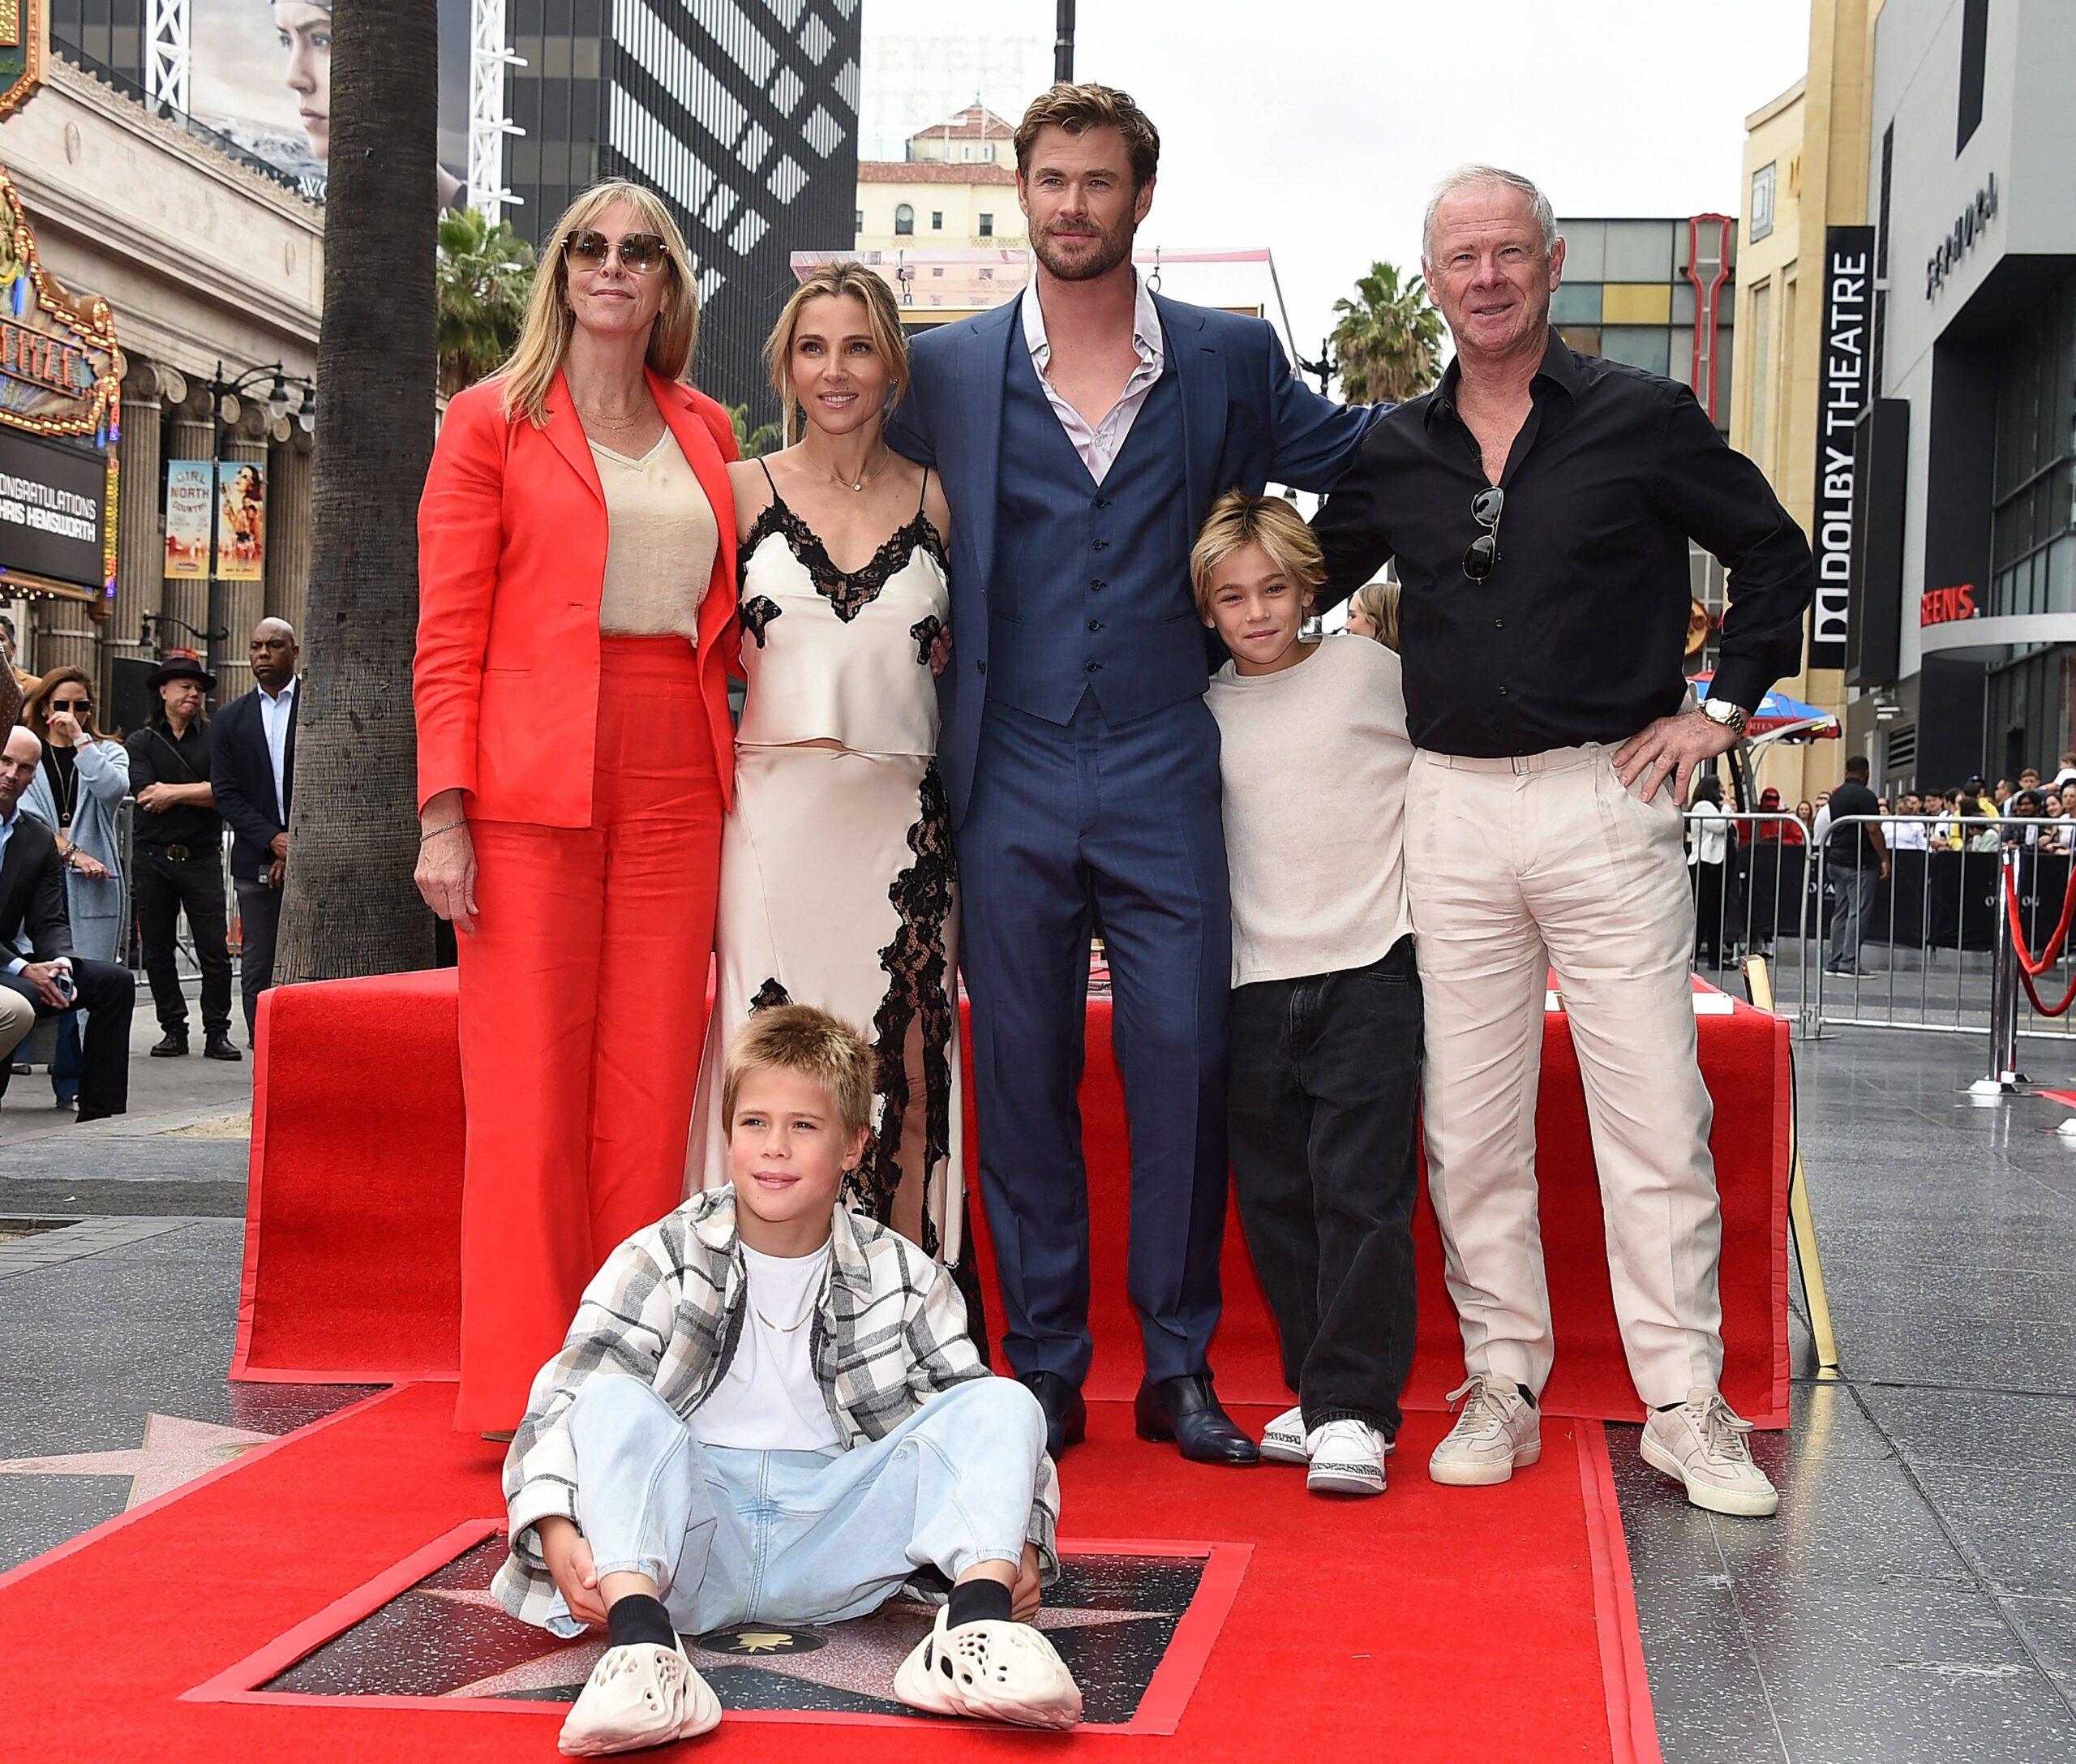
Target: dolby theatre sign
[[61, 377]]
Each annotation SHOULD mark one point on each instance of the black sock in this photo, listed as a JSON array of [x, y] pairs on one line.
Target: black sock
[[1528, 1396], [977, 1601], [639, 1618], [1666, 1408]]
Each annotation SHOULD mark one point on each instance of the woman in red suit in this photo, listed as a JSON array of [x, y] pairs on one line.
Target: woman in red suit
[[576, 547]]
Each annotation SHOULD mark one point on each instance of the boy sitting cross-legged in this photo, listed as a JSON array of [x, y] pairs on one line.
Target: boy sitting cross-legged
[[769, 1409], [1324, 1085]]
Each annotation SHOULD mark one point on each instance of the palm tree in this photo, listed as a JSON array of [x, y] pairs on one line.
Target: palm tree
[[765, 437], [1387, 340], [351, 908], [485, 273]]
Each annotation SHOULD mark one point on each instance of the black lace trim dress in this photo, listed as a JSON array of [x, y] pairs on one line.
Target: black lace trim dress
[[838, 885]]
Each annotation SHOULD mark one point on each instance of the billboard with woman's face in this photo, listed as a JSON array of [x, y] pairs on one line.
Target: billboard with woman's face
[[260, 73]]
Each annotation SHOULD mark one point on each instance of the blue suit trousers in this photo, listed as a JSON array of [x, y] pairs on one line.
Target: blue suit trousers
[[1066, 822]]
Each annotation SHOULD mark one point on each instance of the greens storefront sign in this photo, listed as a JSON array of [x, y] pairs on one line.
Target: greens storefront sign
[[61, 377]]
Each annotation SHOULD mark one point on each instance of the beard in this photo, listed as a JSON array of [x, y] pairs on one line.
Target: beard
[[1109, 250]]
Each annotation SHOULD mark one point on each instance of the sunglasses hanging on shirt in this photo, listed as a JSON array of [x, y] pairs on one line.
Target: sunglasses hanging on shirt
[[1483, 555]]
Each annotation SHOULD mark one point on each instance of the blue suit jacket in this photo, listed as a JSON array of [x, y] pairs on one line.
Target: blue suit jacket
[[1247, 420]]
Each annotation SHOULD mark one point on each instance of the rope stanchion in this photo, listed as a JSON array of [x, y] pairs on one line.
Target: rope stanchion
[[2029, 965]]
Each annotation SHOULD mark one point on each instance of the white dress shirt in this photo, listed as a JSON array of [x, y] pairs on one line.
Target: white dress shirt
[[1908, 835], [1100, 445], [274, 709]]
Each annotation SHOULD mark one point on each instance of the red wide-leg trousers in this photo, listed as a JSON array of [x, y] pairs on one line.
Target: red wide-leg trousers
[[583, 1001]]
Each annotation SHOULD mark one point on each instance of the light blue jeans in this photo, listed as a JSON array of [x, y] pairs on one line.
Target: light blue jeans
[[733, 1537]]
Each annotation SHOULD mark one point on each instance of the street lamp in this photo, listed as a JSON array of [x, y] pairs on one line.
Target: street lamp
[[223, 394]]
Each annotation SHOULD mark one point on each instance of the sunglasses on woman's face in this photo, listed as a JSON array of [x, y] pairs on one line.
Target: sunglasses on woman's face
[[1483, 555], [77, 706], [641, 252]]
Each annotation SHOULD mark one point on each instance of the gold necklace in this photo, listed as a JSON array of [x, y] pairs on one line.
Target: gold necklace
[[814, 1296], [591, 419], [842, 482]]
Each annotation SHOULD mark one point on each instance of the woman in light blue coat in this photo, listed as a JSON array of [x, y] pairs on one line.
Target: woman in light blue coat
[[76, 792]]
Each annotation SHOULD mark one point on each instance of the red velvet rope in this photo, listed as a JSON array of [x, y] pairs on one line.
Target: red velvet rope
[[2028, 965]]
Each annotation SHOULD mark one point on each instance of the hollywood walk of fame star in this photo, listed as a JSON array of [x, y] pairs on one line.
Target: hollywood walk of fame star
[[174, 1453]]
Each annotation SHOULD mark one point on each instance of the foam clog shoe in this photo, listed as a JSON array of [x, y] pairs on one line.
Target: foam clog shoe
[[639, 1695], [991, 1671]]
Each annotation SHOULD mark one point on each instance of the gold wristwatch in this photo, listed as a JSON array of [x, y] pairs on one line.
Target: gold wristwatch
[[1732, 717]]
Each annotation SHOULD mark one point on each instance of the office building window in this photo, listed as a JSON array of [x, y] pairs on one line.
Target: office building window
[[2032, 545], [1974, 51], [987, 227], [1762, 325], [1761, 217], [937, 220], [858, 223], [904, 220]]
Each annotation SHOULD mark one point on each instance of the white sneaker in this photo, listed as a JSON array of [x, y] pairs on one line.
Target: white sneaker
[[1703, 1444], [1348, 1458], [1499, 1432], [992, 1671], [639, 1695], [1283, 1440]]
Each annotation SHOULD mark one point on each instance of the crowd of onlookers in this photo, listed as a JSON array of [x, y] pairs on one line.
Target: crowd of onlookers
[[1940, 820]]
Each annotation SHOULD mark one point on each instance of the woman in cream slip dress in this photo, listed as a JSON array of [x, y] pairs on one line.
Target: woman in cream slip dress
[[839, 887]]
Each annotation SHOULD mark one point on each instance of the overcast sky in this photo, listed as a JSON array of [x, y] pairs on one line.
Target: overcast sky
[[1317, 127]]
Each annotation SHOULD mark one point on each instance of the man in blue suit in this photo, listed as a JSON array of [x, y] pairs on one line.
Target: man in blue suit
[[1082, 432], [252, 770]]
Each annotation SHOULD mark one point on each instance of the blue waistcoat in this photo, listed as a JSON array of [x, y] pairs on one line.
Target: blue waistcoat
[[1091, 582]]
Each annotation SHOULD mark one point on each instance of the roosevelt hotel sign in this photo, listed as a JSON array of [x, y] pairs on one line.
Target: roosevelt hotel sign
[[1843, 387]]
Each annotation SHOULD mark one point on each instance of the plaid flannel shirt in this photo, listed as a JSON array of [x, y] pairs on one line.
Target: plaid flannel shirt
[[888, 1334]]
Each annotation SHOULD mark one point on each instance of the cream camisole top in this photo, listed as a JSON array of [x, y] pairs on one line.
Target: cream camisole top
[[661, 538]]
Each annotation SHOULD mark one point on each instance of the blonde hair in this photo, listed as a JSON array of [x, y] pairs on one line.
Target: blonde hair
[[1378, 601], [799, 1038], [882, 320], [1079, 108], [544, 339], [1238, 520]]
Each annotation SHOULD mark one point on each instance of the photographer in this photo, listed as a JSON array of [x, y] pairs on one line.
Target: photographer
[[52, 979]]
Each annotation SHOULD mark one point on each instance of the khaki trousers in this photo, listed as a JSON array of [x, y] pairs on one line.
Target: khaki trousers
[[1515, 866]]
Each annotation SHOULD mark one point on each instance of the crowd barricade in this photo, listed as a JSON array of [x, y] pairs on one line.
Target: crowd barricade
[[1957, 934], [131, 952]]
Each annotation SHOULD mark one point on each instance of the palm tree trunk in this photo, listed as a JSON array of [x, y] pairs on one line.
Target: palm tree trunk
[[353, 837]]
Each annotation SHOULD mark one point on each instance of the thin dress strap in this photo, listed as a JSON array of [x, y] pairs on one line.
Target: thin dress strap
[[925, 496], [766, 471]]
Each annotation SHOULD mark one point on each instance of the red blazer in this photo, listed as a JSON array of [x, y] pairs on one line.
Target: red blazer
[[511, 563]]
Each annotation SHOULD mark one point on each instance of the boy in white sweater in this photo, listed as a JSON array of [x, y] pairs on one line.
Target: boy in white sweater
[[1324, 1084]]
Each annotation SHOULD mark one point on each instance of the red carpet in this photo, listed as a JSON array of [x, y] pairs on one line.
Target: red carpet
[[1351, 1623], [354, 1214]]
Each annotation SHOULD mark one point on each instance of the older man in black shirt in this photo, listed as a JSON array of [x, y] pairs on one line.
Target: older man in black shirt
[[179, 840], [1539, 502]]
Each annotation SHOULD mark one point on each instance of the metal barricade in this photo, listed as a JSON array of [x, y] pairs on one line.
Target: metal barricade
[[1914, 933], [1749, 874]]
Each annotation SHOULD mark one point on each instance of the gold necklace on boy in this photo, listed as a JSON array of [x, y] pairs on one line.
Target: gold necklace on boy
[[814, 1294]]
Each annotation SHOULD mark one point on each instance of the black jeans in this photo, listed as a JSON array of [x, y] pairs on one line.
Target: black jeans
[[106, 992], [165, 889], [1323, 1106]]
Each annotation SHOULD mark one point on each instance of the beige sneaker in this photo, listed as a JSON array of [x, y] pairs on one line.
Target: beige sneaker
[[1499, 1432], [639, 1695], [992, 1671], [1283, 1440], [1704, 1445]]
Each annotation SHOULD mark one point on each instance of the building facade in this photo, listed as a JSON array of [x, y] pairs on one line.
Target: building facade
[[1962, 606], [956, 190], [210, 267], [1804, 175], [741, 113]]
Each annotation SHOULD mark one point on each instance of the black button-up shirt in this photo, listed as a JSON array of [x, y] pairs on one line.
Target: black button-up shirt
[[1579, 635], [157, 758]]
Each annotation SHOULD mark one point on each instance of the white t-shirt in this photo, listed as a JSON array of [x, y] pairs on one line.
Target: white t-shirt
[[1708, 834], [769, 1400], [1313, 761]]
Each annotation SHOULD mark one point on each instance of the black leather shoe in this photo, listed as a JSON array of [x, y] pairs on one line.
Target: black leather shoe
[[172, 1047], [218, 1047], [1185, 1411], [1067, 1415]]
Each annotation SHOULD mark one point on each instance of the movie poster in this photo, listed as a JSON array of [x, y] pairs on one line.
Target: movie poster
[[190, 501], [261, 75], [240, 519]]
